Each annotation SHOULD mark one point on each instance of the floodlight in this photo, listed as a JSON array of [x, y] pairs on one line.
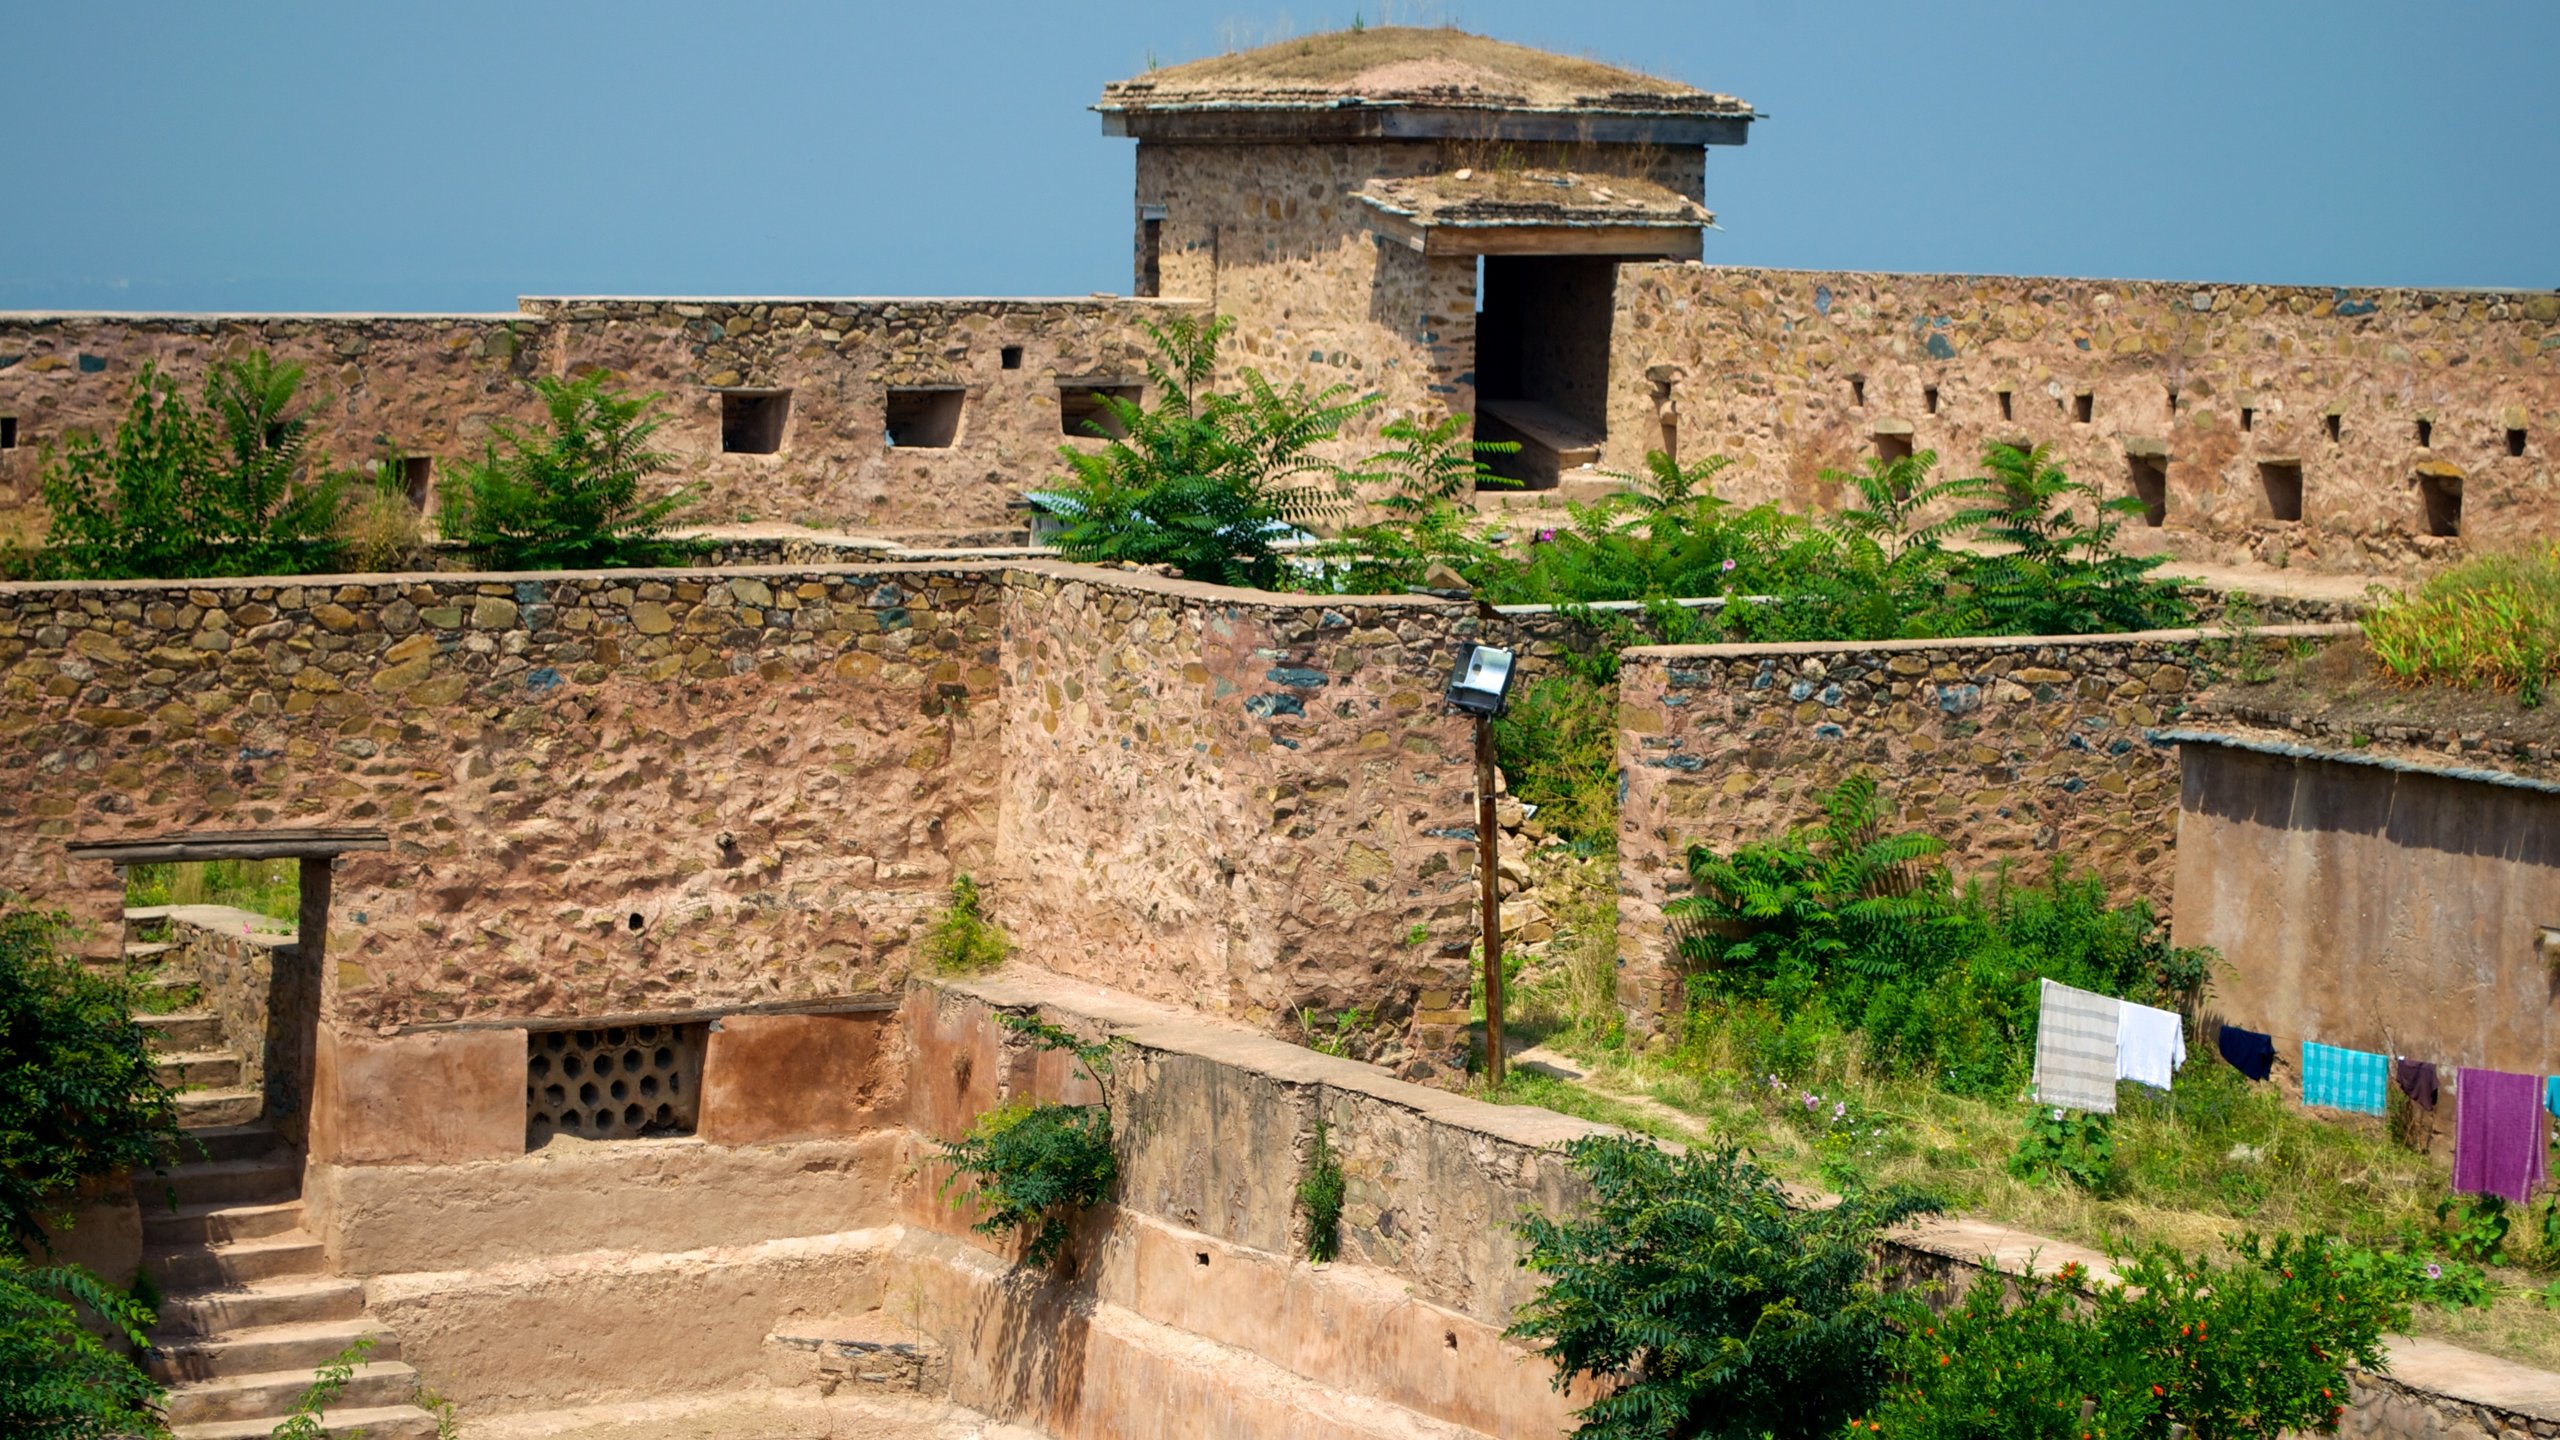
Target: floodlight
[[1481, 680]]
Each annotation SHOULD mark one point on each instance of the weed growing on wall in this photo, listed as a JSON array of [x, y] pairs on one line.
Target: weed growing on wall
[[58, 1378], [2491, 622], [1704, 1303], [963, 940], [1320, 1193], [1034, 1165], [230, 486], [574, 493]]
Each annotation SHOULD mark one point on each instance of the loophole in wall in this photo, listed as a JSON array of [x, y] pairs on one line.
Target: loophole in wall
[[584, 1082]]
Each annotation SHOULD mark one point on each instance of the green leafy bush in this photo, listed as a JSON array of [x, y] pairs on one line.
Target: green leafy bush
[[79, 1092], [1033, 1165], [2055, 571], [228, 487], [574, 494], [2066, 1146], [1201, 479], [1844, 923], [1705, 1304], [58, 1379], [2492, 621], [2256, 1347], [962, 940], [1320, 1193]]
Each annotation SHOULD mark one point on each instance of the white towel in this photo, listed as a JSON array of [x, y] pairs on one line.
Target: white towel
[[2076, 1049], [2150, 1044]]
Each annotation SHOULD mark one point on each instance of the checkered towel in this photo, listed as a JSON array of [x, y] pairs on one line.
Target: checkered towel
[[2076, 1049], [2336, 1079]]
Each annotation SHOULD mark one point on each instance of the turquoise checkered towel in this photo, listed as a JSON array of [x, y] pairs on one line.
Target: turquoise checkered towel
[[2337, 1079]]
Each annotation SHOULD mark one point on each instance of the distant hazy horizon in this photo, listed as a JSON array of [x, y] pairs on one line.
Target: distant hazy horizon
[[453, 156]]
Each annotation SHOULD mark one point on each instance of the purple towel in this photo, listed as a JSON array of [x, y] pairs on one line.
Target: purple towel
[[2498, 1136]]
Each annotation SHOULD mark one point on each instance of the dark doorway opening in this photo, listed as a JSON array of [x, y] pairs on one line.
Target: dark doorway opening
[[1542, 362], [2281, 480], [751, 421], [924, 417], [2440, 501], [2149, 476]]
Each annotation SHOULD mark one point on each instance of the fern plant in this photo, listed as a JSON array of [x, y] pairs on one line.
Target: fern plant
[[1032, 1166], [1205, 480], [574, 495], [231, 487]]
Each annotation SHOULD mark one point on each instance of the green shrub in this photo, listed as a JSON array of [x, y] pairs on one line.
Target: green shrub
[[571, 495], [1320, 1193], [1034, 1165], [2066, 1146], [2054, 572], [1557, 743], [58, 1379], [1844, 922], [79, 1092], [228, 487], [1704, 1303], [2492, 621], [962, 940], [1201, 479], [2258, 1347]]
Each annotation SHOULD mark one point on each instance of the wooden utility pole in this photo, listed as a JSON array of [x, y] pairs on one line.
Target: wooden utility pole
[[1489, 883]]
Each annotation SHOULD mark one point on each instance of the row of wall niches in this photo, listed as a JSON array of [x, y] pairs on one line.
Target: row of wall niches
[[2436, 487]]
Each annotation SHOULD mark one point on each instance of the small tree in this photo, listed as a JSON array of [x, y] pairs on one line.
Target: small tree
[[2054, 572], [1704, 1303], [229, 488], [1205, 480], [1032, 1166], [570, 496]]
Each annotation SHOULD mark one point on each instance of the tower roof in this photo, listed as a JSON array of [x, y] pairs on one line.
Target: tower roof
[[1351, 82]]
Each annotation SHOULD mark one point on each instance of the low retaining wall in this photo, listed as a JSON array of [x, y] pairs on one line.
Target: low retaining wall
[[2008, 749]]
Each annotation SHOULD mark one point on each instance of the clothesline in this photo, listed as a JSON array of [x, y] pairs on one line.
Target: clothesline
[[2086, 1042]]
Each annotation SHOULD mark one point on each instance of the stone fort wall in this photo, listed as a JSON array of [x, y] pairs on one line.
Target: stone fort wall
[[2222, 387], [434, 386]]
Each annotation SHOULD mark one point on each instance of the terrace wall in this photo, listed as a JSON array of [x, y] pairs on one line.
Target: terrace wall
[[1765, 362]]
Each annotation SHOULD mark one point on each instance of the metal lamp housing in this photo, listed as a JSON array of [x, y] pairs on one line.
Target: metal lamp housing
[[1482, 680]]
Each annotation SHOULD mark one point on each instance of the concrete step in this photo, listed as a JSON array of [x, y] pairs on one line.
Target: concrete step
[[252, 1141], [217, 1223], [198, 1069], [374, 1422], [269, 1257], [183, 1029], [242, 1182], [267, 1349], [147, 950], [300, 1300], [200, 1108], [271, 1396]]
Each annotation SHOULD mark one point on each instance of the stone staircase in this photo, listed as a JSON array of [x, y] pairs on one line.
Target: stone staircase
[[249, 1313]]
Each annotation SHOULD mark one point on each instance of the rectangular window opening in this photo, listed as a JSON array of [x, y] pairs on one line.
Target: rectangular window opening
[[2084, 407], [1082, 413], [2440, 500], [2426, 434], [1929, 398], [2248, 418], [8, 432], [924, 417], [1150, 257], [2335, 426], [2150, 477], [1858, 391], [2004, 406], [751, 421], [417, 478], [1890, 448], [2515, 442], [1010, 357], [2281, 482], [613, 1082]]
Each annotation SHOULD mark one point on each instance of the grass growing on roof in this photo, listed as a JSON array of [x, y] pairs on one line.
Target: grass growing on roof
[[2491, 622]]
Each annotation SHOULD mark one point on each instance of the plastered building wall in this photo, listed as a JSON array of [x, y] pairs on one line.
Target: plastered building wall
[[2380, 909], [1769, 367]]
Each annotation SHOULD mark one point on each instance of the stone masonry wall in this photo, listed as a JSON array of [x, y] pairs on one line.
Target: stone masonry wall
[[434, 386], [2216, 378], [607, 793], [2008, 749], [232, 956], [1249, 803]]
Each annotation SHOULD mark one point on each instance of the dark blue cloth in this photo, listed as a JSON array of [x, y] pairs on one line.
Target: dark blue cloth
[[2249, 1052]]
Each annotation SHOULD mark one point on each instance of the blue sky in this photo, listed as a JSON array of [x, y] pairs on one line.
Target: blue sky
[[450, 156]]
